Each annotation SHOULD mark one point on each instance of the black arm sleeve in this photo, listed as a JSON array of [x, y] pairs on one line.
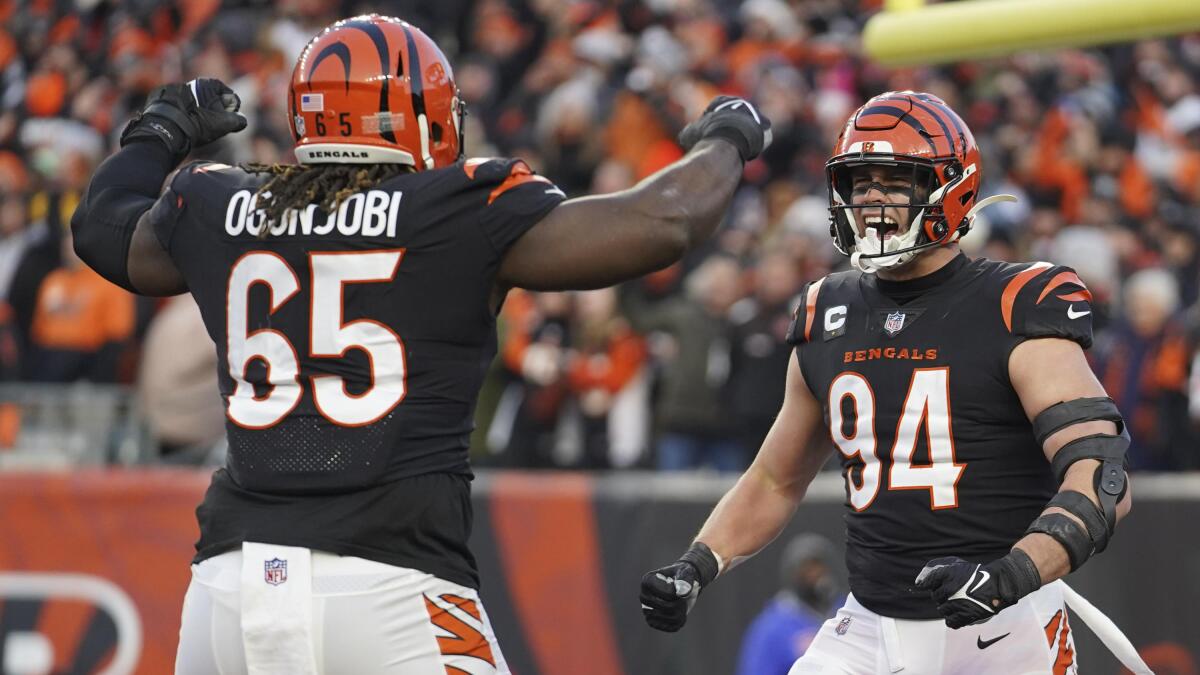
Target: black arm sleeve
[[124, 187]]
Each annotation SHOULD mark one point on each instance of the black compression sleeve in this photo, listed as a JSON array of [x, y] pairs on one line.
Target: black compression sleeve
[[124, 187]]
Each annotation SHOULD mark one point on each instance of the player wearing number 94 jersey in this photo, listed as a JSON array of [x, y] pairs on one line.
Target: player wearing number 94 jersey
[[352, 300], [982, 459]]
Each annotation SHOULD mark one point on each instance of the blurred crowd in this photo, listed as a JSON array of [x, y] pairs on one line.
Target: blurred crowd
[[684, 368]]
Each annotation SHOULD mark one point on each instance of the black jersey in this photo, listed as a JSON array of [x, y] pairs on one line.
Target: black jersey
[[351, 345], [938, 455]]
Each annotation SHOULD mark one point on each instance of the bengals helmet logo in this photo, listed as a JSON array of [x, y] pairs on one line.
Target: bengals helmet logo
[[372, 89]]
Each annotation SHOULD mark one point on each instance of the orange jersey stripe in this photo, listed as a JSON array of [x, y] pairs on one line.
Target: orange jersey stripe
[[810, 306], [470, 165], [1010, 291], [519, 176], [1066, 278], [1077, 296]]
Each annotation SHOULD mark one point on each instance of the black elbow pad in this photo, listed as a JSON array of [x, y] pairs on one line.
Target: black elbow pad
[[124, 187], [1110, 479], [104, 246], [1066, 532]]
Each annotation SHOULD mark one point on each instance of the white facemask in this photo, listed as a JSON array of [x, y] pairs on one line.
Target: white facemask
[[871, 244]]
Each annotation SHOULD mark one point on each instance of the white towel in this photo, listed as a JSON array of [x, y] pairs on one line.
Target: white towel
[[277, 610]]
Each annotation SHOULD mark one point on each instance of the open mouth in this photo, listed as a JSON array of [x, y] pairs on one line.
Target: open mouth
[[885, 226]]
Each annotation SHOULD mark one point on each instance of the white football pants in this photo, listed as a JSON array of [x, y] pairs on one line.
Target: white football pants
[[276, 610], [1032, 637]]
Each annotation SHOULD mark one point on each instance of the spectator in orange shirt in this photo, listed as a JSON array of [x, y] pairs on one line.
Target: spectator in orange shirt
[[605, 376], [81, 324], [524, 431]]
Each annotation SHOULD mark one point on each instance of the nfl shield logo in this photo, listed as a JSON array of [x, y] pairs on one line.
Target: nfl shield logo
[[894, 323], [275, 571], [844, 624]]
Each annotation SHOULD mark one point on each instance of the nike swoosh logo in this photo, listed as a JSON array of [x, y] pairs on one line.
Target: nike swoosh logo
[[737, 103], [961, 594], [984, 576], [1072, 314], [984, 644]]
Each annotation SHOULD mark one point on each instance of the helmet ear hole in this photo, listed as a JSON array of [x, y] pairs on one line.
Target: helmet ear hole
[[435, 131]]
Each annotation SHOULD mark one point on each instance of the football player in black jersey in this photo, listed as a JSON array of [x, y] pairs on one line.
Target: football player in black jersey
[[982, 458], [352, 300]]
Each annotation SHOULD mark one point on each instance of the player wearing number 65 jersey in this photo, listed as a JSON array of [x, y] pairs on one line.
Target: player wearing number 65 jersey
[[982, 459], [352, 300]]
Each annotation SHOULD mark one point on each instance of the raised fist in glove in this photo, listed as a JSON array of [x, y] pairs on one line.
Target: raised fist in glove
[[968, 593], [734, 119], [668, 593], [186, 116]]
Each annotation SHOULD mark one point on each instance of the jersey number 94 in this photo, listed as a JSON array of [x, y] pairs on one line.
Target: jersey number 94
[[926, 408]]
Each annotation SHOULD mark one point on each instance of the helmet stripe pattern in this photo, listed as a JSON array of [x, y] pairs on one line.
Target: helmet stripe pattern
[[418, 94], [937, 118], [903, 116], [336, 49], [381, 45], [943, 111], [414, 73]]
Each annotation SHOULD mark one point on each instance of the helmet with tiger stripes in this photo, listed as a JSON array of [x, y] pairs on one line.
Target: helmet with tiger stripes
[[375, 89], [916, 132]]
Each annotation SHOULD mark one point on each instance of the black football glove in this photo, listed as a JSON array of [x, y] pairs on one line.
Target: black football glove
[[186, 116], [733, 119], [668, 593], [968, 593]]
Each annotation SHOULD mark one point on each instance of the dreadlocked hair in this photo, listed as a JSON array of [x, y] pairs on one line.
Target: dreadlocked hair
[[295, 186]]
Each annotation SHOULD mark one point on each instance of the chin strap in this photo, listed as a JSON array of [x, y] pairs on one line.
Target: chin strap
[[994, 199], [869, 266]]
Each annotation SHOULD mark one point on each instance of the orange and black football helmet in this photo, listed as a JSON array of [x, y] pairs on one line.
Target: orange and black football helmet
[[916, 132], [375, 89]]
